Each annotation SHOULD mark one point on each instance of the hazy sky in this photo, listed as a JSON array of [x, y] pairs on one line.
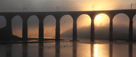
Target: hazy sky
[[66, 21], [65, 5]]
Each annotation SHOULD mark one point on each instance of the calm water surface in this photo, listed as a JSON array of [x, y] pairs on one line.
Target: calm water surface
[[69, 49]]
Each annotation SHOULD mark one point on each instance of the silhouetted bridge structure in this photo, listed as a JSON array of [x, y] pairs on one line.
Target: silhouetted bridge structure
[[74, 15]]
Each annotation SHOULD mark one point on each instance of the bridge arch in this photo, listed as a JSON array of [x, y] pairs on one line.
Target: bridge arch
[[120, 13], [65, 15], [121, 26], [102, 13], [33, 26], [17, 25], [3, 21], [66, 27], [49, 27], [83, 27]]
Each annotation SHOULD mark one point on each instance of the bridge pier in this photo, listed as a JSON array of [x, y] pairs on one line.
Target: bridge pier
[[131, 29], [9, 27], [57, 36], [111, 30], [75, 30], [41, 35], [92, 29], [25, 31]]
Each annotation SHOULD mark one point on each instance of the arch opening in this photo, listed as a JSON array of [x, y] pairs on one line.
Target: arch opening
[[120, 27], [83, 27], [33, 27], [49, 27], [17, 26], [66, 27], [101, 23], [2, 21]]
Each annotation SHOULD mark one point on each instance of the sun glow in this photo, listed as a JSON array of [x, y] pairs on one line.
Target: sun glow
[[101, 20], [98, 20], [98, 17]]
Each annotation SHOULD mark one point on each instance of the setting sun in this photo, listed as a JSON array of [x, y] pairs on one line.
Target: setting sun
[[101, 20], [98, 20], [98, 17]]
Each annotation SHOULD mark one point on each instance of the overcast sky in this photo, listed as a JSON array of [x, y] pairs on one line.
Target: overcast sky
[[64, 5]]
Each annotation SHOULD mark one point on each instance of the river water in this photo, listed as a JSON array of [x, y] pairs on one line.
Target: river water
[[67, 48]]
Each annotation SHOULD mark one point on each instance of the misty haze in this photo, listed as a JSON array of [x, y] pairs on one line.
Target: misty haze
[[67, 28]]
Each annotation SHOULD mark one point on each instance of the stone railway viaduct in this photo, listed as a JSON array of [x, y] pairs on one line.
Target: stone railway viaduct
[[74, 14]]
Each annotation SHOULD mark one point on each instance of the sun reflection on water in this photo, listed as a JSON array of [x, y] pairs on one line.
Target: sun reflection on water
[[101, 50], [96, 50]]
